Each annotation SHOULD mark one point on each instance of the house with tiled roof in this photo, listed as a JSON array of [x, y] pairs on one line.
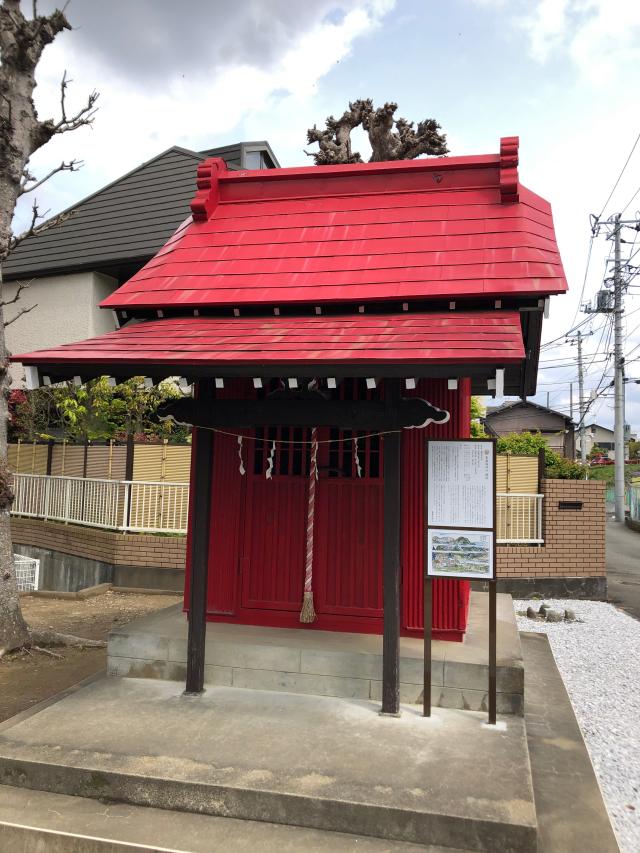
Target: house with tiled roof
[[102, 241], [527, 416]]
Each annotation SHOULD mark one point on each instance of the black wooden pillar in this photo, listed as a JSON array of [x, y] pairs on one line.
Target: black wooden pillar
[[200, 520], [391, 562]]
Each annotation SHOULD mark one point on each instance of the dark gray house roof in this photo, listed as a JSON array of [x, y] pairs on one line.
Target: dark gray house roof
[[117, 229], [524, 404], [526, 416]]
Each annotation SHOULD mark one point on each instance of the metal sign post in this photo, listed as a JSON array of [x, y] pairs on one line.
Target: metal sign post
[[428, 619], [460, 533], [492, 652]]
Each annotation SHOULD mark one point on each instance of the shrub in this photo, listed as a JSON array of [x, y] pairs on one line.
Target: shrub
[[556, 467]]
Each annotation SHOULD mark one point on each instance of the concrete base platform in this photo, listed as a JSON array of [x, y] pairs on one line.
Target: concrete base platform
[[56, 823], [316, 762], [328, 663]]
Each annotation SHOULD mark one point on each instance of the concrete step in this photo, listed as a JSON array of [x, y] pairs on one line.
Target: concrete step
[[325, 663], [57, 823], [320, 763]]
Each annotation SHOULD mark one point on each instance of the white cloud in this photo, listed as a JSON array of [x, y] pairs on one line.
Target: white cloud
[[207, 106], [547, 26], [600, 36]]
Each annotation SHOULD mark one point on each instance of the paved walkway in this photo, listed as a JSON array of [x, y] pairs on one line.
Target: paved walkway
[[623, 567]]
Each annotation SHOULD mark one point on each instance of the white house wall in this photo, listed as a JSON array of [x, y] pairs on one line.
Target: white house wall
[[66, 311]]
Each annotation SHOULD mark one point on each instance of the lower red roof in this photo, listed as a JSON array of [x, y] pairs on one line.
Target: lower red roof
[[456, 338]]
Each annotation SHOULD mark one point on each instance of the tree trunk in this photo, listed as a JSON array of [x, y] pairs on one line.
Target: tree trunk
[[13, 628], [21, 133]]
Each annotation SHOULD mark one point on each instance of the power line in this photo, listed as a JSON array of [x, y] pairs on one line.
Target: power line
[[630, 200], [622, 171]]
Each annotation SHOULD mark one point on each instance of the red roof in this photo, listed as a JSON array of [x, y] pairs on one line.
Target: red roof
[[481, 337], [445, 227]]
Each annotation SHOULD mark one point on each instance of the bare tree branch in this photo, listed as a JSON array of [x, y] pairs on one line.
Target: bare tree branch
[[84, 116], [20, 313], [65, 166], [16, 296], [33, 228]]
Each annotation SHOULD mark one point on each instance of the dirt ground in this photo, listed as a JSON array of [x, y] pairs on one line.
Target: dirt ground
[[29, 677]]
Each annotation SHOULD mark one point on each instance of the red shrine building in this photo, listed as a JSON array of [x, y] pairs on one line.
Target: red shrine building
[[330, 319]]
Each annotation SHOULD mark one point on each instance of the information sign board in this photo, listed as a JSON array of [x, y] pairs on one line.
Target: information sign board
[[460, 534], [461, 484]]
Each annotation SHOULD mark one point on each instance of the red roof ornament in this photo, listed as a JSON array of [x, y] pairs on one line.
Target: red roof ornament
[[206, 198], [509, 169]]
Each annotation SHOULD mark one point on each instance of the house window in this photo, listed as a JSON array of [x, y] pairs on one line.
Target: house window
[[257, 160]]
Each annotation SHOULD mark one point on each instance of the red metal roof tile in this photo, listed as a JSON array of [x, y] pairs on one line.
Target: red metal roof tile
[[445, 227], [439, 338]]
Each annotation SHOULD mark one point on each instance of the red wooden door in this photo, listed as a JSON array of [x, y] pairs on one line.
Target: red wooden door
[[347, 565], [273, 554]]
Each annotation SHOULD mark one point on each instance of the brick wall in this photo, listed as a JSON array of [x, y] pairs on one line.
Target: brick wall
[[574, 539], [119, 549]]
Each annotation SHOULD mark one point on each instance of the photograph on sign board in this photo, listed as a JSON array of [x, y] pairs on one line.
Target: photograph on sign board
[[460, 553]]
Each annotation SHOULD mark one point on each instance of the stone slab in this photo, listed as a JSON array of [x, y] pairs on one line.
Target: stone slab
[[329, 764], [57, 823], [328, 663]]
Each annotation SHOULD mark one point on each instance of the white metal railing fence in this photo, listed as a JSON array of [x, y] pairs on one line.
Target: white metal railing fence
[[160, 507], [27, 572], [519, 518], [137, 506]]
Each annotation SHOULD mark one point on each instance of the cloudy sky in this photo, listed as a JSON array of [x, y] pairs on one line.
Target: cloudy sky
[[561, 74]]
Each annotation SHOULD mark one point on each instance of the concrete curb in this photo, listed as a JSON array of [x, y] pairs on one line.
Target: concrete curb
[[324, 813], [80, 595]]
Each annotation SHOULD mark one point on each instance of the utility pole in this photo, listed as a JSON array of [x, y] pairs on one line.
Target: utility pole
[[581, 406], [614, 226], [571, 400], [582, 403], [618, 423]]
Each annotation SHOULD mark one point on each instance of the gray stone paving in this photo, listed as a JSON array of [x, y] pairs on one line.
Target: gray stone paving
[[598, 658]]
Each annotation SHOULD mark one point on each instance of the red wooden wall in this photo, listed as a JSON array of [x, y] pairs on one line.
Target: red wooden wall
[[348, 540]]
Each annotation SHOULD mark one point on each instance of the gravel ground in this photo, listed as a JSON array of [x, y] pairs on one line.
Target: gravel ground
[[599, 660]]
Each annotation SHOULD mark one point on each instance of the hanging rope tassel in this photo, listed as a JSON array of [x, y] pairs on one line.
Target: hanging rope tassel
[[242, 468], [268, 473], [356, 456], [308, 613]]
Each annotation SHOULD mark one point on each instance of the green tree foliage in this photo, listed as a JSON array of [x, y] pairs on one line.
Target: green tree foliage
[[556, 467], [95, 411], [634, 450], [477, 411]]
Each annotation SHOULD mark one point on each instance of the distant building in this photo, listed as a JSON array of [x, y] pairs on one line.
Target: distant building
[[603, 437], [525, 416], [106, 238]]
